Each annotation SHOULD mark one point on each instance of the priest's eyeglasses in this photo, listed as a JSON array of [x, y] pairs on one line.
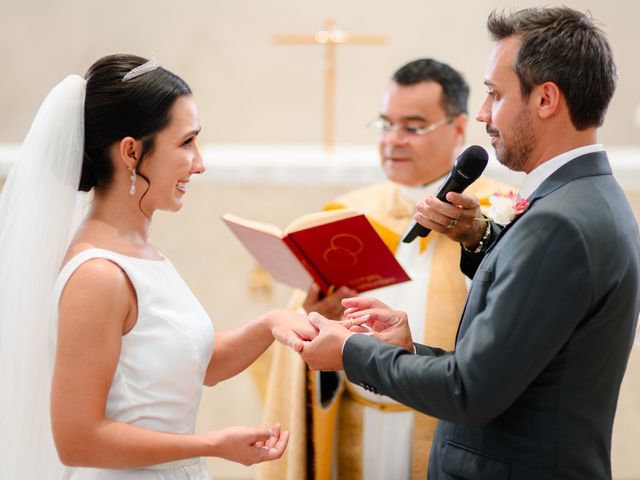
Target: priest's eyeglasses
[[407, 130]]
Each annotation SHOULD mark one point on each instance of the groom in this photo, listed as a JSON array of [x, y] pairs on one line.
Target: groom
[[530, 390]]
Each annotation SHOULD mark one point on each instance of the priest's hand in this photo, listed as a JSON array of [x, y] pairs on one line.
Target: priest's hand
[[324, 352], [458, 220], [368, 315], [329, 306], [290, 328]]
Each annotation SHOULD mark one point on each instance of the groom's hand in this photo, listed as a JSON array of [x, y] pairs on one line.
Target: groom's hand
[[374, 317], [463, 210], [324, 352]]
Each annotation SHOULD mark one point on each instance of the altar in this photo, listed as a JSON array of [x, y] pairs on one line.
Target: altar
[[275, 184]]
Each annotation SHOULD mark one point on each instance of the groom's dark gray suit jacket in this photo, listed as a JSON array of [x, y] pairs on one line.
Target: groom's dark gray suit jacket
[[530, 391]]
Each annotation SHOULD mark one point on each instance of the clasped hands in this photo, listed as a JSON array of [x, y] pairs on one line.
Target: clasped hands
[[319, 340]]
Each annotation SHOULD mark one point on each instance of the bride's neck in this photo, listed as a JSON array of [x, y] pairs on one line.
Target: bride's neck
[[124, 217]]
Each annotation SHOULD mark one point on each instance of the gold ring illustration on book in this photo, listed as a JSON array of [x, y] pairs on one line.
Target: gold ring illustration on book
[[344, 250]]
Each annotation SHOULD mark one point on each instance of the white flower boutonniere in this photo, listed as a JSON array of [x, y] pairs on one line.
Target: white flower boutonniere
[[506, 206]]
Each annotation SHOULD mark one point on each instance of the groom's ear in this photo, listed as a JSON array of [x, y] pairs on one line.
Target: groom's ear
[[548, 99]]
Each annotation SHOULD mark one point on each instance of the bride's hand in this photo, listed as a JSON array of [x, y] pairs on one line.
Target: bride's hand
[[248, 445], [291, 328]]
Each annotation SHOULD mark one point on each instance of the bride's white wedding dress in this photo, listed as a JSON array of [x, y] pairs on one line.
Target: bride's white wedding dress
[[159, 377]]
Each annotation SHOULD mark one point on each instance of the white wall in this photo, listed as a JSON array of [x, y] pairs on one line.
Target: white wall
[[252, 91]]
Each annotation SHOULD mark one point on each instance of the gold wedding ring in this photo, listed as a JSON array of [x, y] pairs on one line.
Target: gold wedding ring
[[452, 223]]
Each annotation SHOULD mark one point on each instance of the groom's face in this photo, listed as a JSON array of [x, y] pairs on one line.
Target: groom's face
[[505, 112]]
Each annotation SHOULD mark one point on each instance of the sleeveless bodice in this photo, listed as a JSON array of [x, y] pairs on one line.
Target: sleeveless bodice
[[158, 380]]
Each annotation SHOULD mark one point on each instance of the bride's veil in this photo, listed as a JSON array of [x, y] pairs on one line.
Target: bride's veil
[[37, 206]]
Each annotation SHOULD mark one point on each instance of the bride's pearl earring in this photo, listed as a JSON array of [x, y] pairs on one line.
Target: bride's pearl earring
[[132, 190]]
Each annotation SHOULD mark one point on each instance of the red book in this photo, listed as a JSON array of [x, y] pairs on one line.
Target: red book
[[333, 248]]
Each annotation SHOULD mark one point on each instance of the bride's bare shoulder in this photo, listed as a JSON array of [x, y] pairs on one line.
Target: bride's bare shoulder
[[75, 248]]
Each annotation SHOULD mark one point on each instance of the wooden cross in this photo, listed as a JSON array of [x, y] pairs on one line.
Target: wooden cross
[[330, 37]]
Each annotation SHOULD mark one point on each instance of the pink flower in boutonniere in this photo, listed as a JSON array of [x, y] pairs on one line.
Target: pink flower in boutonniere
[[506, 206], [520, 207]]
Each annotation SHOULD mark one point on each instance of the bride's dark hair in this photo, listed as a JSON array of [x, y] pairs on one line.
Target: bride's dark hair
[[115, 109]]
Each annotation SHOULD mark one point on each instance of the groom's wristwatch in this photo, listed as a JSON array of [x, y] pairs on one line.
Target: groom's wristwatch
[[484, 241]]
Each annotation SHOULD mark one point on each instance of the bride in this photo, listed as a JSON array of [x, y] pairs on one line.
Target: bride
[[132, 346]]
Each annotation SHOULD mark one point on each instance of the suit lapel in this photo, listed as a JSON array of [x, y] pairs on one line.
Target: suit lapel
[[588, 165]]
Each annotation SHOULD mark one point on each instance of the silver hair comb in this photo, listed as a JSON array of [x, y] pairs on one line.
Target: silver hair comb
[[142, 69]]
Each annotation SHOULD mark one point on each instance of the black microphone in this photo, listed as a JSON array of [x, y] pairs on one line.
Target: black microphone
[[466, 169]]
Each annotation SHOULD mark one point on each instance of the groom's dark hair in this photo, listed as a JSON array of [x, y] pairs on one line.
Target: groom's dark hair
[[563, 46]]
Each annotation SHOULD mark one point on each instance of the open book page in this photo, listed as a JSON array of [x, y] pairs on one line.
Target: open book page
[[318, 218], [252, 224], [268, 248]]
